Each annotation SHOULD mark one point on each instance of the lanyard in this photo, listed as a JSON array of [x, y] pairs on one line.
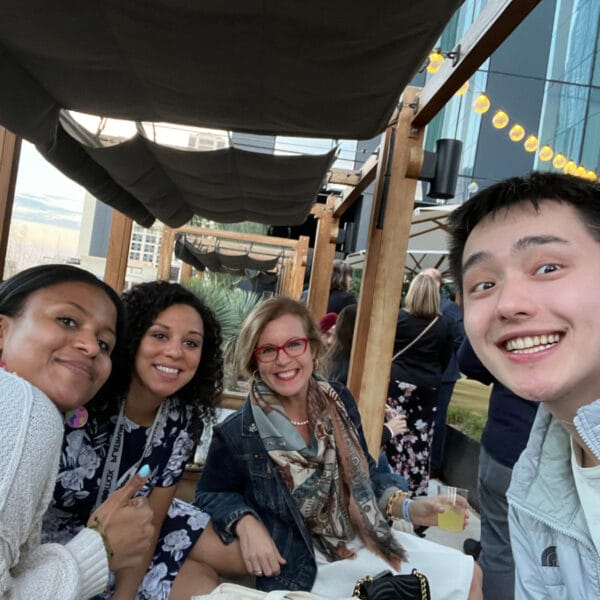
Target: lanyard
[[109, 482]]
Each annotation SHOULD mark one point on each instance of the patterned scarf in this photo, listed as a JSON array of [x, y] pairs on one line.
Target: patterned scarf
[[329, 478]]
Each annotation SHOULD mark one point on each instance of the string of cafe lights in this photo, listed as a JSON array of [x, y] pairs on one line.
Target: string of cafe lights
[[517, 133]]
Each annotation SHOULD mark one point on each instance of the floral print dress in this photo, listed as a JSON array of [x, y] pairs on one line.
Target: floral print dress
[[82, 462], [409, 453]]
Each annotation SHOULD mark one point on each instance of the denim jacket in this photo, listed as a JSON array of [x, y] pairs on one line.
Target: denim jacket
[[239, 478]]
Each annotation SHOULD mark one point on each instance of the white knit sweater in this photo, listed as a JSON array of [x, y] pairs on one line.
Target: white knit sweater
[[31, 431]]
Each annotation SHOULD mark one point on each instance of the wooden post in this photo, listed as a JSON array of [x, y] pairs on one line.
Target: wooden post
[[298, 268], [117, 256], [365, 301], [324, 253], [186, 273], [384, 273], [166, 254], [10, 148]]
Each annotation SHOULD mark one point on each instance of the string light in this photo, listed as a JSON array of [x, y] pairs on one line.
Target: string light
[[436, 59], [482, 104], [473, 187], [462, 90], [531, 143], [546, 153], [516, 133], [500, 119]]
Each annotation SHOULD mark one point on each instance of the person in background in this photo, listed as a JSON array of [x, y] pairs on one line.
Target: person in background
[[291, 487], [60, 330], [337, 361], [422, 349], [524, 252], [504, 437], [327, 325], [453, 313], [173, 380], [339, 294]]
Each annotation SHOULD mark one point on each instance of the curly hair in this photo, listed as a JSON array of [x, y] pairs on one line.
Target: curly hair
[[144, 302]]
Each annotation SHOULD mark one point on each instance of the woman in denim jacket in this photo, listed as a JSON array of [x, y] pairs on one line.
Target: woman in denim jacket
[[290, 486]]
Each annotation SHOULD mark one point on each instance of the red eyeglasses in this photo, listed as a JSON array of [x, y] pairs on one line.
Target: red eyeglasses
[[293, 347]]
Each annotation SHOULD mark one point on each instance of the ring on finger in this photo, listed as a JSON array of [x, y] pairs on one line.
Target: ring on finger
[[258, 572]]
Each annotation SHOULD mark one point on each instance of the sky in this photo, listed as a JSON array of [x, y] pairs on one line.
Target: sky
[[38, 177]]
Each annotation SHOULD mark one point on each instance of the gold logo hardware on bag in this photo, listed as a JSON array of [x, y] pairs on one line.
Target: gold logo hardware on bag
[[386, 586]]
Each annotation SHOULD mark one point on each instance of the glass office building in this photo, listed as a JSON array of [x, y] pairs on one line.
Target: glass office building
[[545, 76]]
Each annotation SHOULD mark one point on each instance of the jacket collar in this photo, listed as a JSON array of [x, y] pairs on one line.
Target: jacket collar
[[587, 423], [542, 481]]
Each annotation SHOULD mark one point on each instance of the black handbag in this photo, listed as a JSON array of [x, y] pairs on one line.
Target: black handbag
[[386, 586]]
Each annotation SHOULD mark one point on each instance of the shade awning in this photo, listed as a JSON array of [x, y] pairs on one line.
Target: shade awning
[[283, 67], [222, 261], [332, 69], [227, 185]]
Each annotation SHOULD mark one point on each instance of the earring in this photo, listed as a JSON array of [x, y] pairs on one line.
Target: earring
[[315, 364], [76, 418], [256, 376]]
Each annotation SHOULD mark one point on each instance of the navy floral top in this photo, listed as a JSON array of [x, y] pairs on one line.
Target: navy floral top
[[84, 453]]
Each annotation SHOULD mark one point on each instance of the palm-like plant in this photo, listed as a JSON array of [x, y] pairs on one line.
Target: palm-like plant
[[231, 307]]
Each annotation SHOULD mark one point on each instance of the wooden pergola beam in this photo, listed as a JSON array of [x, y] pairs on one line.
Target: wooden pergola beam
[[294, 265], [10, 149], [367, 176], [492, 26], [238, 236], [323, 256], [383, 277], [115, 269]]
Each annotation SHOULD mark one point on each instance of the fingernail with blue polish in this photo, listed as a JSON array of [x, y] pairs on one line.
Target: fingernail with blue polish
[[144, 471]]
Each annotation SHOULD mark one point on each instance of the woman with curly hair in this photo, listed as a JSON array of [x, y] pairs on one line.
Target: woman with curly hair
[[175, 371]]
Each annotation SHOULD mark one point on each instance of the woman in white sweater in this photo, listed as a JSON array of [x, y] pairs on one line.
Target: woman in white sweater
[[59, 329]]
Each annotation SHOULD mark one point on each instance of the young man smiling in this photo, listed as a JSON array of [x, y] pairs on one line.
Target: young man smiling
[[526, 253]]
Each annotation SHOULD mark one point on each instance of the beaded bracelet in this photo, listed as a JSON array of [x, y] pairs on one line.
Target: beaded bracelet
[[97, 526], [390, 504]]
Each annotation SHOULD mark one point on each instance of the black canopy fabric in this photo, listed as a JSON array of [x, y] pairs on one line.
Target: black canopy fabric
[[219, 261], [315, 68], [226, 185]]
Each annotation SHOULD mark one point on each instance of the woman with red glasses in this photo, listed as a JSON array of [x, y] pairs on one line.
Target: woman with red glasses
[[289, 483]]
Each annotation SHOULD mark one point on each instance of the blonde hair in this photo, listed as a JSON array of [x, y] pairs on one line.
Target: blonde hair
[[423, 297], [260, 317]]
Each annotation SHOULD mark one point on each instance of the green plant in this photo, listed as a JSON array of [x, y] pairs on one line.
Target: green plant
[[468, 422], [231, 307]]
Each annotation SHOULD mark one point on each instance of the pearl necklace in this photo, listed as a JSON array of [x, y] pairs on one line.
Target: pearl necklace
[[299, 423]]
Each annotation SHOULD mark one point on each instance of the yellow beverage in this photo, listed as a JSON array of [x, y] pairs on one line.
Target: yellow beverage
[[452, 519]]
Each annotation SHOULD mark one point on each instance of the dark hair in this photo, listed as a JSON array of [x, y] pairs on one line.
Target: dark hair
[[338, 356], [582, 195], [14, 293], [344, 329], [144, 302], [341, 270]]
